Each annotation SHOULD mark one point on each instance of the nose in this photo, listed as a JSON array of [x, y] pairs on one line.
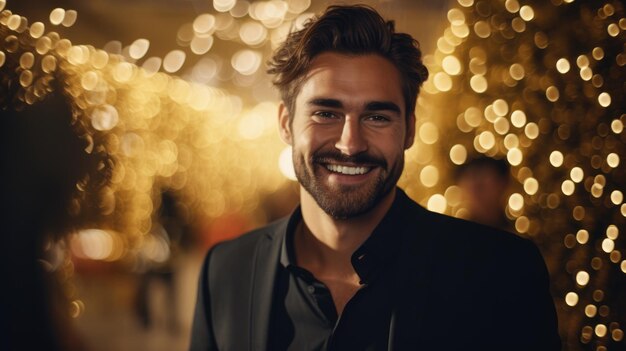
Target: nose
[[351, 141]]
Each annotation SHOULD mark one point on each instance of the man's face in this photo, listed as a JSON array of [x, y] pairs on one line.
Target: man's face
[[348, 132]]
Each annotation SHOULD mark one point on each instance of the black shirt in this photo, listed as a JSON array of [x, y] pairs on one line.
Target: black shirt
[[304, 316]]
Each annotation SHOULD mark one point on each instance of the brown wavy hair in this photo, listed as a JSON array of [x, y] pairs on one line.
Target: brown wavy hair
[[351, 30]]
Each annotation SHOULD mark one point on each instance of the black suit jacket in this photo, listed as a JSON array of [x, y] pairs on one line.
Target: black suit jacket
[[460, 286]]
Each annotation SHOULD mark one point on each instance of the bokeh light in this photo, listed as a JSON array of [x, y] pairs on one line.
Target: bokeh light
[[537, 83]]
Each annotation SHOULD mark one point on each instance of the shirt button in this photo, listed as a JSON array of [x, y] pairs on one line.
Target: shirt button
[[311, 289]]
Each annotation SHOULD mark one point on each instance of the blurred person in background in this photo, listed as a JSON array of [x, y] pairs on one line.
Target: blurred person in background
[[358, 265], [484, 181], [42, 159]]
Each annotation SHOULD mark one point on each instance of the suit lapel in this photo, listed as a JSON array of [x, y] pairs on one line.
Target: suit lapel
[[413, 279], [264, 275]]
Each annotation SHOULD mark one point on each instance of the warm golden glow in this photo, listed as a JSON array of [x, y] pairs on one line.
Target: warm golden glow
[[429, 176], [604, 99], [516, 202], [556, 158], [461, 31], [597, 53], [487, 140], [428, 133], [531, 186], [568, 187], [437, 203], [613, 30], [451, 65], [522, 224], [526, 13], [612, 232], [515, 156], [501, 125], [173, 61], [69, 18], [552, 93], [466, 3], [577, 174], [456, 16], [617, 126], [500, 107], [246, 62], [139, 48], [511, 141], [223, 5], [518, 118], [442, 81], [608, 245], [482, 29], [582, 236], [516, 71], [478, 83], [591, 310], [473, 116], [612, 160], [458, 154], [617, 197], [253, 33], [518, 25], [503, 83], [56, 16], [600, 330], [571, 299], [617, 334], [512, 6], [531, 130], [562, 65]]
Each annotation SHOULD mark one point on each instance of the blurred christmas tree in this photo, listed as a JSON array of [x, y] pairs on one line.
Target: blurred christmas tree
[[542, 84]]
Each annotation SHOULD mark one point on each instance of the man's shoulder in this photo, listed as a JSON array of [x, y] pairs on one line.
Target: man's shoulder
[[447, 231], [247, 242]]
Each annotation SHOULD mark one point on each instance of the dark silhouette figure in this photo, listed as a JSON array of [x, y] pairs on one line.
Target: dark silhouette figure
[[42, 159], [484, 181]]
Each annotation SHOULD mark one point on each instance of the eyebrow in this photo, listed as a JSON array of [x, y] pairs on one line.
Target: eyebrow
[[370, 106], [323, 102], [382, 106]]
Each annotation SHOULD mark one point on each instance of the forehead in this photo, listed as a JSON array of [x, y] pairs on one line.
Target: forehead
[[355, 79]]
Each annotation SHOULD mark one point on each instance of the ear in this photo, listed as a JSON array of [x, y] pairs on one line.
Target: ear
[[284, 125], [410, 131]]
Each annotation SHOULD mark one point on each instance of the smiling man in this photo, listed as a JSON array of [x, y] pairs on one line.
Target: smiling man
[[359, 265]]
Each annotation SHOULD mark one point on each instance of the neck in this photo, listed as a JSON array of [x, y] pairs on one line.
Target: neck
[[328, 243]]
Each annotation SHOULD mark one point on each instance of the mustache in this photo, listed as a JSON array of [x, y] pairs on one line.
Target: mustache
[[337, 157]]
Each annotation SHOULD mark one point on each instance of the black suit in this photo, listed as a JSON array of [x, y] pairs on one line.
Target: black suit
[[460, 286]]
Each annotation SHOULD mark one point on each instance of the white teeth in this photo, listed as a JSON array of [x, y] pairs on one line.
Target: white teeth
[[347, 170]]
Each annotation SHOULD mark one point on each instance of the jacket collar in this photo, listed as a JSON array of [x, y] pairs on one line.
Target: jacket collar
[[265, 261], [411, 221]]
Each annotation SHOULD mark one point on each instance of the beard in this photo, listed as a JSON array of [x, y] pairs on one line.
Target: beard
[[346, 201]]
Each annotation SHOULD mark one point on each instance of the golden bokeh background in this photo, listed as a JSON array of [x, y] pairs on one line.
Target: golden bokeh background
[[175, 122]]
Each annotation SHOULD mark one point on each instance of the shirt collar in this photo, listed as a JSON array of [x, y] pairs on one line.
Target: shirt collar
[[378, 250], [287, 254]]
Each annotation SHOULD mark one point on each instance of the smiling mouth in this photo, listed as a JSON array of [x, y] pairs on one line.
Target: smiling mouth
[[347, 170]]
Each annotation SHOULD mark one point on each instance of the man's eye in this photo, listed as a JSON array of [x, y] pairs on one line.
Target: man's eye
[[377, 118], [325, 114]]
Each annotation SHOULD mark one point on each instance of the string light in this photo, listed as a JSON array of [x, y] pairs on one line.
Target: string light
[[563, 137]]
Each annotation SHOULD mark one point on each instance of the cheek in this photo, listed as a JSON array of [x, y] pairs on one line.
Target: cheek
[[393, 146], [313, 139]]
